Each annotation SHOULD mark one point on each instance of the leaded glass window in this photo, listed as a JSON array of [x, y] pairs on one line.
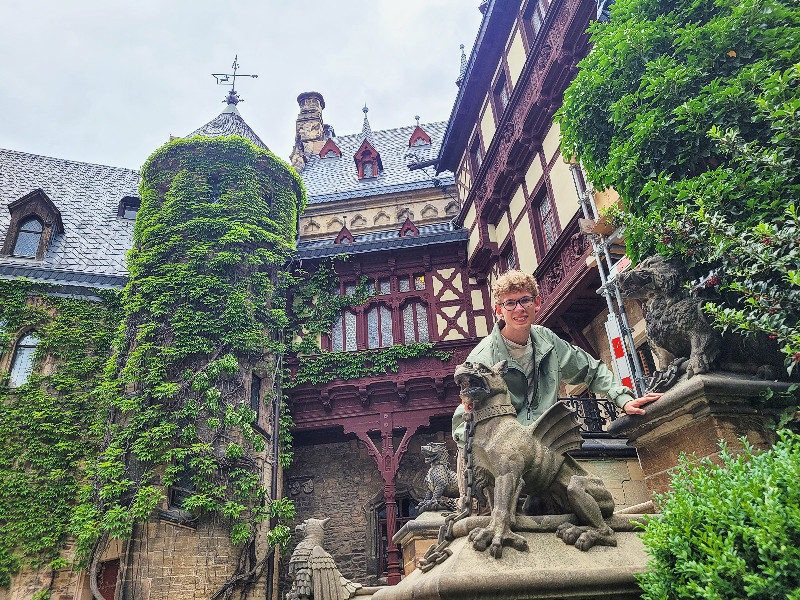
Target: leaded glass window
[[419, 282], [28, 237], [415, 323], [22, 365], [343, 335], [405, 284], [368, 169], [379, 327], [548, 219]]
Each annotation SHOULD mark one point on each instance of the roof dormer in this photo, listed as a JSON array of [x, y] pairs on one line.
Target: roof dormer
[[35, 220], [419, 137], [330, 150], [408, 228], [367, 158], [344, 237]]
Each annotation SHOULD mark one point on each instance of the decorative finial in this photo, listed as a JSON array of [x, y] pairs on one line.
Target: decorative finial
[[463, 70], [417, 118], [365, 110], [230, 79]]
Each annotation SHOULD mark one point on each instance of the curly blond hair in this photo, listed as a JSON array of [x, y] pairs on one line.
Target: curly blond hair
[[513, 281]]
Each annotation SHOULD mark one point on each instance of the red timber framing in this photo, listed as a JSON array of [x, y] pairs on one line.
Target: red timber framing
[[551, 65], [568, 285], [381, 409]]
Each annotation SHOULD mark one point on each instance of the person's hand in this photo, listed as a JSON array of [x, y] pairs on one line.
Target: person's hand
[[634, 407]]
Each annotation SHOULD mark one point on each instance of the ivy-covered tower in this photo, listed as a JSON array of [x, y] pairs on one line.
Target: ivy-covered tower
[[185, 479]]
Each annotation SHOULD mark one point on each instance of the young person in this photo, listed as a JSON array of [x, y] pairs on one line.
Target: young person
[[538, 360]]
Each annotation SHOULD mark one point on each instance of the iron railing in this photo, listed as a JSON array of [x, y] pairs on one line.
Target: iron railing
[[594, 415]]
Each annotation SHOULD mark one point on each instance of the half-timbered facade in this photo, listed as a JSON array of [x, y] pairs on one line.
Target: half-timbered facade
[[357, 440], [519, 196]]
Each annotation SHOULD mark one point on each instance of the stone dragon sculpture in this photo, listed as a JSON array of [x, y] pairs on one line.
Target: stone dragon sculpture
[[441, 482], [517, 459]]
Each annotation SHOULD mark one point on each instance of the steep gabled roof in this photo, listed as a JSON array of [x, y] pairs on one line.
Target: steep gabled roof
[[95, 241], [332, 180], [229, 122]]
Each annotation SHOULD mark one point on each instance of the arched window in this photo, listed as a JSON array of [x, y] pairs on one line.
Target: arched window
[[28, 237], [379, 327], [22, 365], [343, 336], [415, 323]]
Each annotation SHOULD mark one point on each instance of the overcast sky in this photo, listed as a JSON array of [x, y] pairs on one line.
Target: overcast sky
[[109, 81]]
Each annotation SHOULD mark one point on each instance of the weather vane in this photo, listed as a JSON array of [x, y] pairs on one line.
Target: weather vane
[[230, 79]]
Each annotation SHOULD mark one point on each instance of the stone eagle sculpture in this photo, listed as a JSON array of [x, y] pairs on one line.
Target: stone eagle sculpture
[[313, 571]]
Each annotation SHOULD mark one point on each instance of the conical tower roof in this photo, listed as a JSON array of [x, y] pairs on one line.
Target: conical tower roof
[[229, 122]]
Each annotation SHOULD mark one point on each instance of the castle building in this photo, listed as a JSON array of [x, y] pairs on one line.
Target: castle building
[[427, 214]]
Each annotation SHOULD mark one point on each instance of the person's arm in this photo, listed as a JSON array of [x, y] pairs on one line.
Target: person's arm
[[578, 366]]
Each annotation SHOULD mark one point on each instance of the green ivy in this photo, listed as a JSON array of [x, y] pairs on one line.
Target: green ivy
[[54, 424], [327, 366], [203, 309], [689, 109]]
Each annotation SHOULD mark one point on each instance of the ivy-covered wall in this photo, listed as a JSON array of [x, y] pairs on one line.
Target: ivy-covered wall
[[200, 340], [53, 426]]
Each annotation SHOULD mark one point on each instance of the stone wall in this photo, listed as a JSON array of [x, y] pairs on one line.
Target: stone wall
[[341, 480], [344, 479]]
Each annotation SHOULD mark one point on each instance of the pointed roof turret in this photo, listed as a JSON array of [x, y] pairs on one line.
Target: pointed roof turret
[[463, 70], [366, 130], [229, 121], [367, 157]]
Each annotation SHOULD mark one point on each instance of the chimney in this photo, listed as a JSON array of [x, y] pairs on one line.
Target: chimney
[[310, 130]]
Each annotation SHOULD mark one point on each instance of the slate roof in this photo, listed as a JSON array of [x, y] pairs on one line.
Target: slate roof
[[229, 122], [332, 179], [440, 233], [92, 249]]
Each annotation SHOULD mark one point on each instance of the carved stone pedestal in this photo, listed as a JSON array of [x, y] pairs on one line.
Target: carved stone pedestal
[[549, 569], [415, 537], [693, 416]]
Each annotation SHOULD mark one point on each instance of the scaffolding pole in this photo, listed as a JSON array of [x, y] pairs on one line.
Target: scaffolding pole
[[609, 289]]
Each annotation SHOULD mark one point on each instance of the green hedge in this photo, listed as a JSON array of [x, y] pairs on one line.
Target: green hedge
[[729, 531]]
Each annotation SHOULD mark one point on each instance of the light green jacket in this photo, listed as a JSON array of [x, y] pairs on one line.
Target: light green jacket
[[554, 361]]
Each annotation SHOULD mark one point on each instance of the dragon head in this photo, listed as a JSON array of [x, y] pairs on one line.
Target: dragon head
[[435, 452], [479, 382]]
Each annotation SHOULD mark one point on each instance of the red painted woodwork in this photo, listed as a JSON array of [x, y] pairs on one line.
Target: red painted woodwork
[[418, 134], [330, 146], [344, 237], [422, 388], [408, 228], [551, 65]]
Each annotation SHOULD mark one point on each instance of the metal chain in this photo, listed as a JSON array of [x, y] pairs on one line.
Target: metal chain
[[440, 552]]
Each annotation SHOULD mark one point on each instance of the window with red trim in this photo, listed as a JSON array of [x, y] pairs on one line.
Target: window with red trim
[[379, 327], [475, 155], [534, 18], [501, 95]]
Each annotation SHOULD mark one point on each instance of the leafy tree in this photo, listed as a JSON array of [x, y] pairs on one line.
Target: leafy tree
[[689, 109]]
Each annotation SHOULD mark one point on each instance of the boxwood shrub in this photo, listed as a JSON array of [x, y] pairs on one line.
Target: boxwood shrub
[[729, 531]]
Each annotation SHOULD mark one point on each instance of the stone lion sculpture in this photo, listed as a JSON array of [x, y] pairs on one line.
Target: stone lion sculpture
[[517, 459], [313, 571], [677, 324], [441, 482]]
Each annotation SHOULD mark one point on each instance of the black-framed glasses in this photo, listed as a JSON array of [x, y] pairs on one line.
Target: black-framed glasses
[[524, 302]]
